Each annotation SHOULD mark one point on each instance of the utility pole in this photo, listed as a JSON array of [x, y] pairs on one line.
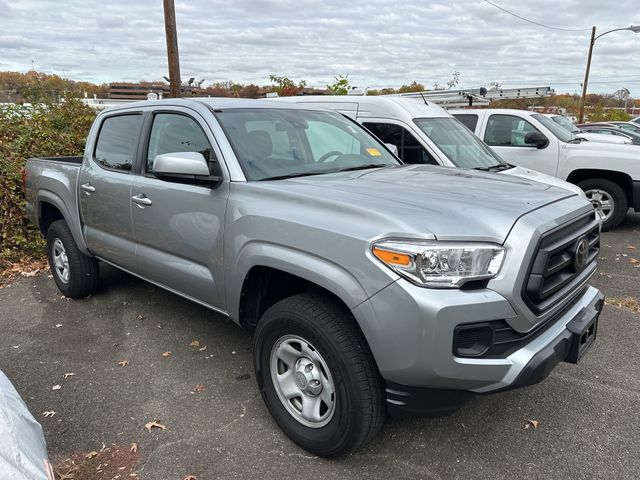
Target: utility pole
[[172, 48], [632, 28], [586, 75]]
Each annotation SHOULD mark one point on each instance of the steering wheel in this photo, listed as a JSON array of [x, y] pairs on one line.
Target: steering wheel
[[328, 155]]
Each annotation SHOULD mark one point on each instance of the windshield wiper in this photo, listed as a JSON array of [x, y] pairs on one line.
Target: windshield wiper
[[577, 140], [498, 167], [306, 174], [292, 175], [361, 167]]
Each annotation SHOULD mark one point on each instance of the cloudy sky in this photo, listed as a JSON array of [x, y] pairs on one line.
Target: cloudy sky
[[377, 43]]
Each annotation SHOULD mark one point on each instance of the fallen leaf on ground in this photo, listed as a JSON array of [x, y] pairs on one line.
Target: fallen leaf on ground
[[134, 447], [56, 387], [69, 475], [91, 454], [202, 349], [630, 247], [195, 344], [166, 354], [58, 325], [190, 477], [634, 261], [123, 363], [67, 375], [532, 424], [49, 413], [154, 424], [140, 317], [32, 273], [199, 388]]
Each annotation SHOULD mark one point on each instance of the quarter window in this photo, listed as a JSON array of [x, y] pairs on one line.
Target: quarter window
[[173, 133], [117, 142], [409, 148], [507, 131]]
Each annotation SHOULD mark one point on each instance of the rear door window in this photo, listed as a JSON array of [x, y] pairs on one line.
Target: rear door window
[[117, 142], [410, 150], [469, 120]]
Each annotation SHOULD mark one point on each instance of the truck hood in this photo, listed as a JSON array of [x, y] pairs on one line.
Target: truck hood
[[448, 203], [600, 138], [606, 150], [544, 178]]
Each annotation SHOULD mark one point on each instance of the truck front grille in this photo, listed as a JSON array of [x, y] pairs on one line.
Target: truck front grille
[[565, 257]]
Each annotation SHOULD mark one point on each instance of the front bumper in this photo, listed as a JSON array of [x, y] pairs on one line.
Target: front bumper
[[410, 331]]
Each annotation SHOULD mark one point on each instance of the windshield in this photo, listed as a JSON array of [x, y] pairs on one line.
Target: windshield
[[458, 143], [280, 143], [562, 134], [565, 123]]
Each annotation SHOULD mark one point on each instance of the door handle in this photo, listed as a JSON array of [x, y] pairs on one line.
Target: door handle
[[87, 187], [141, 200]]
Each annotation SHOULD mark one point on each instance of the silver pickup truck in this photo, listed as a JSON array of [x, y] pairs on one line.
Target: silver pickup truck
[[371, 286]]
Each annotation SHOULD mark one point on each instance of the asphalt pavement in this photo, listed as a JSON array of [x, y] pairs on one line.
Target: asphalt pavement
[[204, 392]]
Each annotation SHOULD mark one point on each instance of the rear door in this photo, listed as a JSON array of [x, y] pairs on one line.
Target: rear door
[[105, 189], [178, 227]]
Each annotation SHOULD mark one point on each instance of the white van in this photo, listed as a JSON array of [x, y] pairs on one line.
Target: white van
[[423, 132]]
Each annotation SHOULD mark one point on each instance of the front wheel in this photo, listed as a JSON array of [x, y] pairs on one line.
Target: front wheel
[[75, 274], [317, 376], [609, 198]]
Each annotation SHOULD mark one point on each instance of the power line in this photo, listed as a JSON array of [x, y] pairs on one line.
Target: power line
[[536, 23]]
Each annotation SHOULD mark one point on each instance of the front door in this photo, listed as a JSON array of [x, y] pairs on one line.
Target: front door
[[505, 134], [178, 227]]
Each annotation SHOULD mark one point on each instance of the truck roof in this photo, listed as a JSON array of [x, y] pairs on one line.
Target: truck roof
[[506, 111], [211, 102]]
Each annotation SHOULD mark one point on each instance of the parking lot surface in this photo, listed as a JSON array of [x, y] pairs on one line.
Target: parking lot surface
[[204, 392]]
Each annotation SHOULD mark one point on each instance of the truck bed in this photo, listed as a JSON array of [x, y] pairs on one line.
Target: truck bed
[[77, 159], [54, 179]]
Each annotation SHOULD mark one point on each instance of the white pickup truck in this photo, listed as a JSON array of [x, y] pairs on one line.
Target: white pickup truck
[[609, 174]]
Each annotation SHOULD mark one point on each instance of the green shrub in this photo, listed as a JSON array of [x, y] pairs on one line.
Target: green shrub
[[36, 131]]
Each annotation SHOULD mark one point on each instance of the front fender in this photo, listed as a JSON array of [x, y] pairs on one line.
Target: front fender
[[317, 270]]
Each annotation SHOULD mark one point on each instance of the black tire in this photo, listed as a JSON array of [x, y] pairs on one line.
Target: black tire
[[359, 411], [83, 271], [617, 195]]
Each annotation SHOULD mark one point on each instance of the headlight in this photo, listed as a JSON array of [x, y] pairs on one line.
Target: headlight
[[440, 264]]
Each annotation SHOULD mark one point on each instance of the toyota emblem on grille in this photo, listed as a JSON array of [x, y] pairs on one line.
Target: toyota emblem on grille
[[581, 254]]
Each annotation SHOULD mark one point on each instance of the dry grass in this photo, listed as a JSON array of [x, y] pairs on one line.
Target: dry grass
[[625, 303], [110, 463], [26, 268]]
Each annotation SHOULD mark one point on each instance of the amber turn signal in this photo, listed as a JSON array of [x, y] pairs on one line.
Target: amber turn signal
[[393, 258]]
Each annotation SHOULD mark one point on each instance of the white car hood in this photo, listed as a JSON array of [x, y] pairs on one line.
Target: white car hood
[[600, 138], [543, 178]]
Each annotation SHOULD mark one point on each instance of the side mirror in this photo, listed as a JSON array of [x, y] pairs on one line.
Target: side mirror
[[184, 167], [536, 139], [392, 147]]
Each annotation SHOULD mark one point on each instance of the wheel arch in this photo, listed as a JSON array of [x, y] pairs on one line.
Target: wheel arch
[[50, 207], [620, 178], [269, 273]]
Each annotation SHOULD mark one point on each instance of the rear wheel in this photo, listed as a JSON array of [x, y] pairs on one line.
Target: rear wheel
[[317, 376], [75, 274], [609, 198]]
